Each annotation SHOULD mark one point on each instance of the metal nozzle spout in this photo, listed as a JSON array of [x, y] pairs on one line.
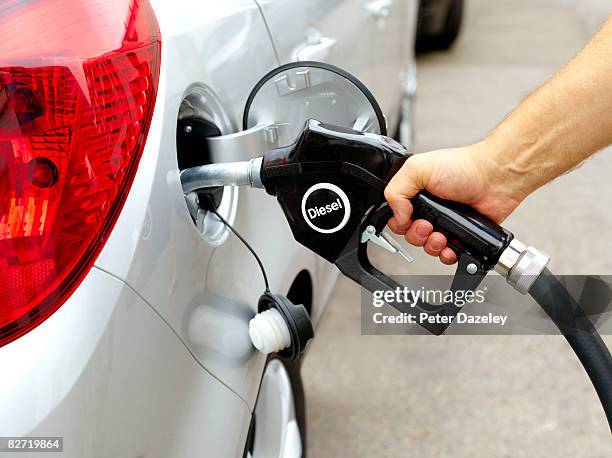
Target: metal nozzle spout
[[247, 173]]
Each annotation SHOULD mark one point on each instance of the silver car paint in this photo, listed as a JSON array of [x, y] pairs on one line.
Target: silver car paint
[[106, 374], [153, 345], [205, 293], [372, 39]]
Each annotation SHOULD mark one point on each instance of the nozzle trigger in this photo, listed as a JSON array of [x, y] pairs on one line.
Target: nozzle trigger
[[381, 239]]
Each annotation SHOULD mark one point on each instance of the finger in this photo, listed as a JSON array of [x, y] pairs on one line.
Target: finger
[[435, 243], [404, 185], [402, 208], [448, 256], [399, 230], [418, 232]]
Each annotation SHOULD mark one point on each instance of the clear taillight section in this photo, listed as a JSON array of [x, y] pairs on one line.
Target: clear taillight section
[[78, 81]]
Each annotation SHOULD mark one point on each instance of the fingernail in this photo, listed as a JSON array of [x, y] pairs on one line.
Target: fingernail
[[436, 244], [422, 230]]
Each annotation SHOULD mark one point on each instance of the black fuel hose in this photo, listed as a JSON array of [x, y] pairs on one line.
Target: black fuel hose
[[580, 333]]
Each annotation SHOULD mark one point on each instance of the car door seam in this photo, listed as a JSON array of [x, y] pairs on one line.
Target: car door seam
[[265, 21], [193, 355]]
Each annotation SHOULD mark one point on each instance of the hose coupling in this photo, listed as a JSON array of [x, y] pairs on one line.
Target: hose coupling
[[521, 265]]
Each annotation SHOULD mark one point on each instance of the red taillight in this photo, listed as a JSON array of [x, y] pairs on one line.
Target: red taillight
[[78, 81]]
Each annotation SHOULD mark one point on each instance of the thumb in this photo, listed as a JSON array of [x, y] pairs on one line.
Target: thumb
[[406, 183]]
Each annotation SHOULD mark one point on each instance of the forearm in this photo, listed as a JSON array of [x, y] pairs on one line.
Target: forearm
[[558, 126]]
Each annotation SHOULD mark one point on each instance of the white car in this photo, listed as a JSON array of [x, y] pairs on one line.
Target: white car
[[124, 323]]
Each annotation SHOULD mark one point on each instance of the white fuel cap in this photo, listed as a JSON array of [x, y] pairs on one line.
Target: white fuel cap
[[269, 332]]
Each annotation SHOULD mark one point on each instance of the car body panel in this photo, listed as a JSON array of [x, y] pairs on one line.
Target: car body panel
[[206, 293], [109, 376], [369, 45], [151, 354]]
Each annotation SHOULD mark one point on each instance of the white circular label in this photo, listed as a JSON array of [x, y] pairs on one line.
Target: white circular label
[[326, 208]]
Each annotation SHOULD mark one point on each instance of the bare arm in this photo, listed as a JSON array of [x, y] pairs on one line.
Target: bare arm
[[562, 123], [552, 131]]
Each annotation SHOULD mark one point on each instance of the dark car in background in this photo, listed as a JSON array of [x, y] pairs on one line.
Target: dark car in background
[[439, 24]]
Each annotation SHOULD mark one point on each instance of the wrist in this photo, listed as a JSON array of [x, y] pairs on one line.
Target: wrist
[[503, 177]]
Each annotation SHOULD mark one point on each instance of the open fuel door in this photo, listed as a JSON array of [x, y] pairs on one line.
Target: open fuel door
[[284, 99]]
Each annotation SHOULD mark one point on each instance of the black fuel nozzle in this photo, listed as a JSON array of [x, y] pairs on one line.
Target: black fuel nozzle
[[330, 184]]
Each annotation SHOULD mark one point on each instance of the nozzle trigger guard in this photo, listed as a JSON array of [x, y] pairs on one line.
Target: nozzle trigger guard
[[355, 264]]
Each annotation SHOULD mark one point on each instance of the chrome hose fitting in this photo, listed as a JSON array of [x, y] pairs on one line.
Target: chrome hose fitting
[[521, 265], [246, 173]]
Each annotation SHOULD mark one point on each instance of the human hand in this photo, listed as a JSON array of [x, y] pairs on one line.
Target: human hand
[[467, 175]]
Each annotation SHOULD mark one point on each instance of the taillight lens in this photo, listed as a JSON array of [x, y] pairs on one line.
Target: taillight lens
[[78, 81]]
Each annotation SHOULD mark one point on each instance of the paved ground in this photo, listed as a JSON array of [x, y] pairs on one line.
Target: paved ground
[[472, 396]]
